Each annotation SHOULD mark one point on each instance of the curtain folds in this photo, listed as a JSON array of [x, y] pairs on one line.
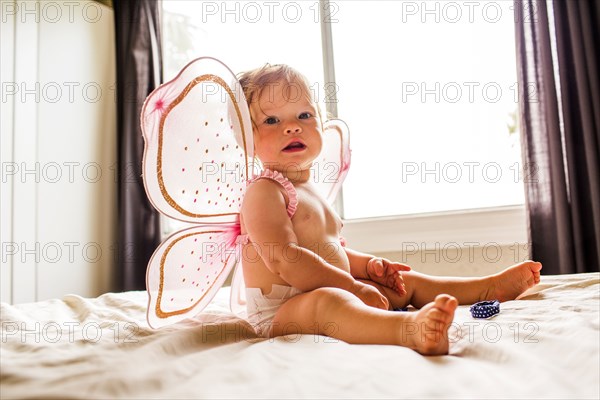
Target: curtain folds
[[558, 60], [139, 71]]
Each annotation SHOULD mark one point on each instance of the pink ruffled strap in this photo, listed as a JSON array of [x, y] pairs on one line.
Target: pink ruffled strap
[[287, 185]]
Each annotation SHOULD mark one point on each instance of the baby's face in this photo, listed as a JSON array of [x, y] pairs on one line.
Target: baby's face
[[287, 131]]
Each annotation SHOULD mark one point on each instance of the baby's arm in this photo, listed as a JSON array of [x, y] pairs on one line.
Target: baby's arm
[[376, 269], [271, 231], [358, 263]]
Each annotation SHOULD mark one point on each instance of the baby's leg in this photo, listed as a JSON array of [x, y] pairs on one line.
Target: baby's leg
[[339, 314], [506, 285]]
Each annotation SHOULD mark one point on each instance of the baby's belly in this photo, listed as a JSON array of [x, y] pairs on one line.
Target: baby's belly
[[333, 252], [257, 275]]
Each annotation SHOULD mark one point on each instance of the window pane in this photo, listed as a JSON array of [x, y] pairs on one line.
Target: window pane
[[428, 90], [244, 35]]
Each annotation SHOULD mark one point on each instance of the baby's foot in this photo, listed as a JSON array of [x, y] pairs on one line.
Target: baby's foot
[[430, 336], [513, 281]]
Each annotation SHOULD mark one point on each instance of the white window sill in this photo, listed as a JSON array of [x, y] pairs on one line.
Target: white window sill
[[465, 228]]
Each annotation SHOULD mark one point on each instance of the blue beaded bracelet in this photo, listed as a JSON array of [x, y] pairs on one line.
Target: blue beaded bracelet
[[485, 309]]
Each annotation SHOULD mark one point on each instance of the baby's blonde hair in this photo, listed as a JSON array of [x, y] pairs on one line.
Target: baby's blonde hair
[[255, 81]]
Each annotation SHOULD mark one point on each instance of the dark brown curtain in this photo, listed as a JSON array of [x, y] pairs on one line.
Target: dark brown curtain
[[558, 61], [139, 71]]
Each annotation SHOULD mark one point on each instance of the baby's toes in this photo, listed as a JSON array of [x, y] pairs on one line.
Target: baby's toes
[[530, 281], [535, 267], [446, 303], [438, 315]]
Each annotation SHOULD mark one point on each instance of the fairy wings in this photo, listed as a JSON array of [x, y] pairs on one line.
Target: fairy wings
[[198, 158]]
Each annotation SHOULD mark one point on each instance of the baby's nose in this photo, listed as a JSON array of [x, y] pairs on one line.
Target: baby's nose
[[289, 131]]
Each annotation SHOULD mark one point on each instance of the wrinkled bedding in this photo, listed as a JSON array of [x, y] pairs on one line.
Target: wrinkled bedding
[[544, 345]]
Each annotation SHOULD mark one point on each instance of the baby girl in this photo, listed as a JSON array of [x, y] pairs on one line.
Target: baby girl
[[299, 277]]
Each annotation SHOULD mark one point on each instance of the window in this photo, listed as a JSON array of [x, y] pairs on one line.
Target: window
[[428, 90]]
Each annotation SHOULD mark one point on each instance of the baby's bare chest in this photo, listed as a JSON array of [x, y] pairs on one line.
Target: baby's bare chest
[[315, 221]]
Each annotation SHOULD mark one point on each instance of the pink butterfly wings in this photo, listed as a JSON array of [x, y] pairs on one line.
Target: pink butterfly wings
[[197, 159], [332, 165]]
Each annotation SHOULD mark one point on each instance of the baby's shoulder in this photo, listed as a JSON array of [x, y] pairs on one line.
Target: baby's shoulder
[[264, 193]]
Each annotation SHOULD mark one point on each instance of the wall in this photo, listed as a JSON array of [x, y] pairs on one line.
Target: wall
[[58, 149]]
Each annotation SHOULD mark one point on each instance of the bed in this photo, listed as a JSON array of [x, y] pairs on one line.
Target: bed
[[544, 345]]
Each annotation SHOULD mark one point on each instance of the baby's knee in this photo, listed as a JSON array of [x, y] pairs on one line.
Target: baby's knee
[[329, 299]]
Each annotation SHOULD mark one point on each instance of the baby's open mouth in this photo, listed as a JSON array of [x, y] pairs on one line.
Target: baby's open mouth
[[295, 146]]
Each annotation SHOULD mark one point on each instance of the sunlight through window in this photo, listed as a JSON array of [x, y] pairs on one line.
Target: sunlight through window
[[429, 90]]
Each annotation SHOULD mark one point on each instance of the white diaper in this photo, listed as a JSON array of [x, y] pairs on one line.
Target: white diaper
[[262, 308]]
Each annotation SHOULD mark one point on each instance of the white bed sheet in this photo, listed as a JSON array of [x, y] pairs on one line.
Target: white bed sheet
[[545, 345]]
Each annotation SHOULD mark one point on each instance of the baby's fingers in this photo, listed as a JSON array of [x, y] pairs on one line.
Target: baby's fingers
[[396, 266], [399, 285], [376, 265]]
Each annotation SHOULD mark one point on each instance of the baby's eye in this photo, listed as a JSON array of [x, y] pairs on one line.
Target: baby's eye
[[271, 120], [305, 115]]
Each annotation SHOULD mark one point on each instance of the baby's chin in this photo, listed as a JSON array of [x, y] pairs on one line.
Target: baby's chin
[[289, 161], [287, 168]]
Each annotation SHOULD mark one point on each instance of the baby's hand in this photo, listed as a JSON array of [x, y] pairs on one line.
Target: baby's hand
[[370, 295], [387, 273]]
